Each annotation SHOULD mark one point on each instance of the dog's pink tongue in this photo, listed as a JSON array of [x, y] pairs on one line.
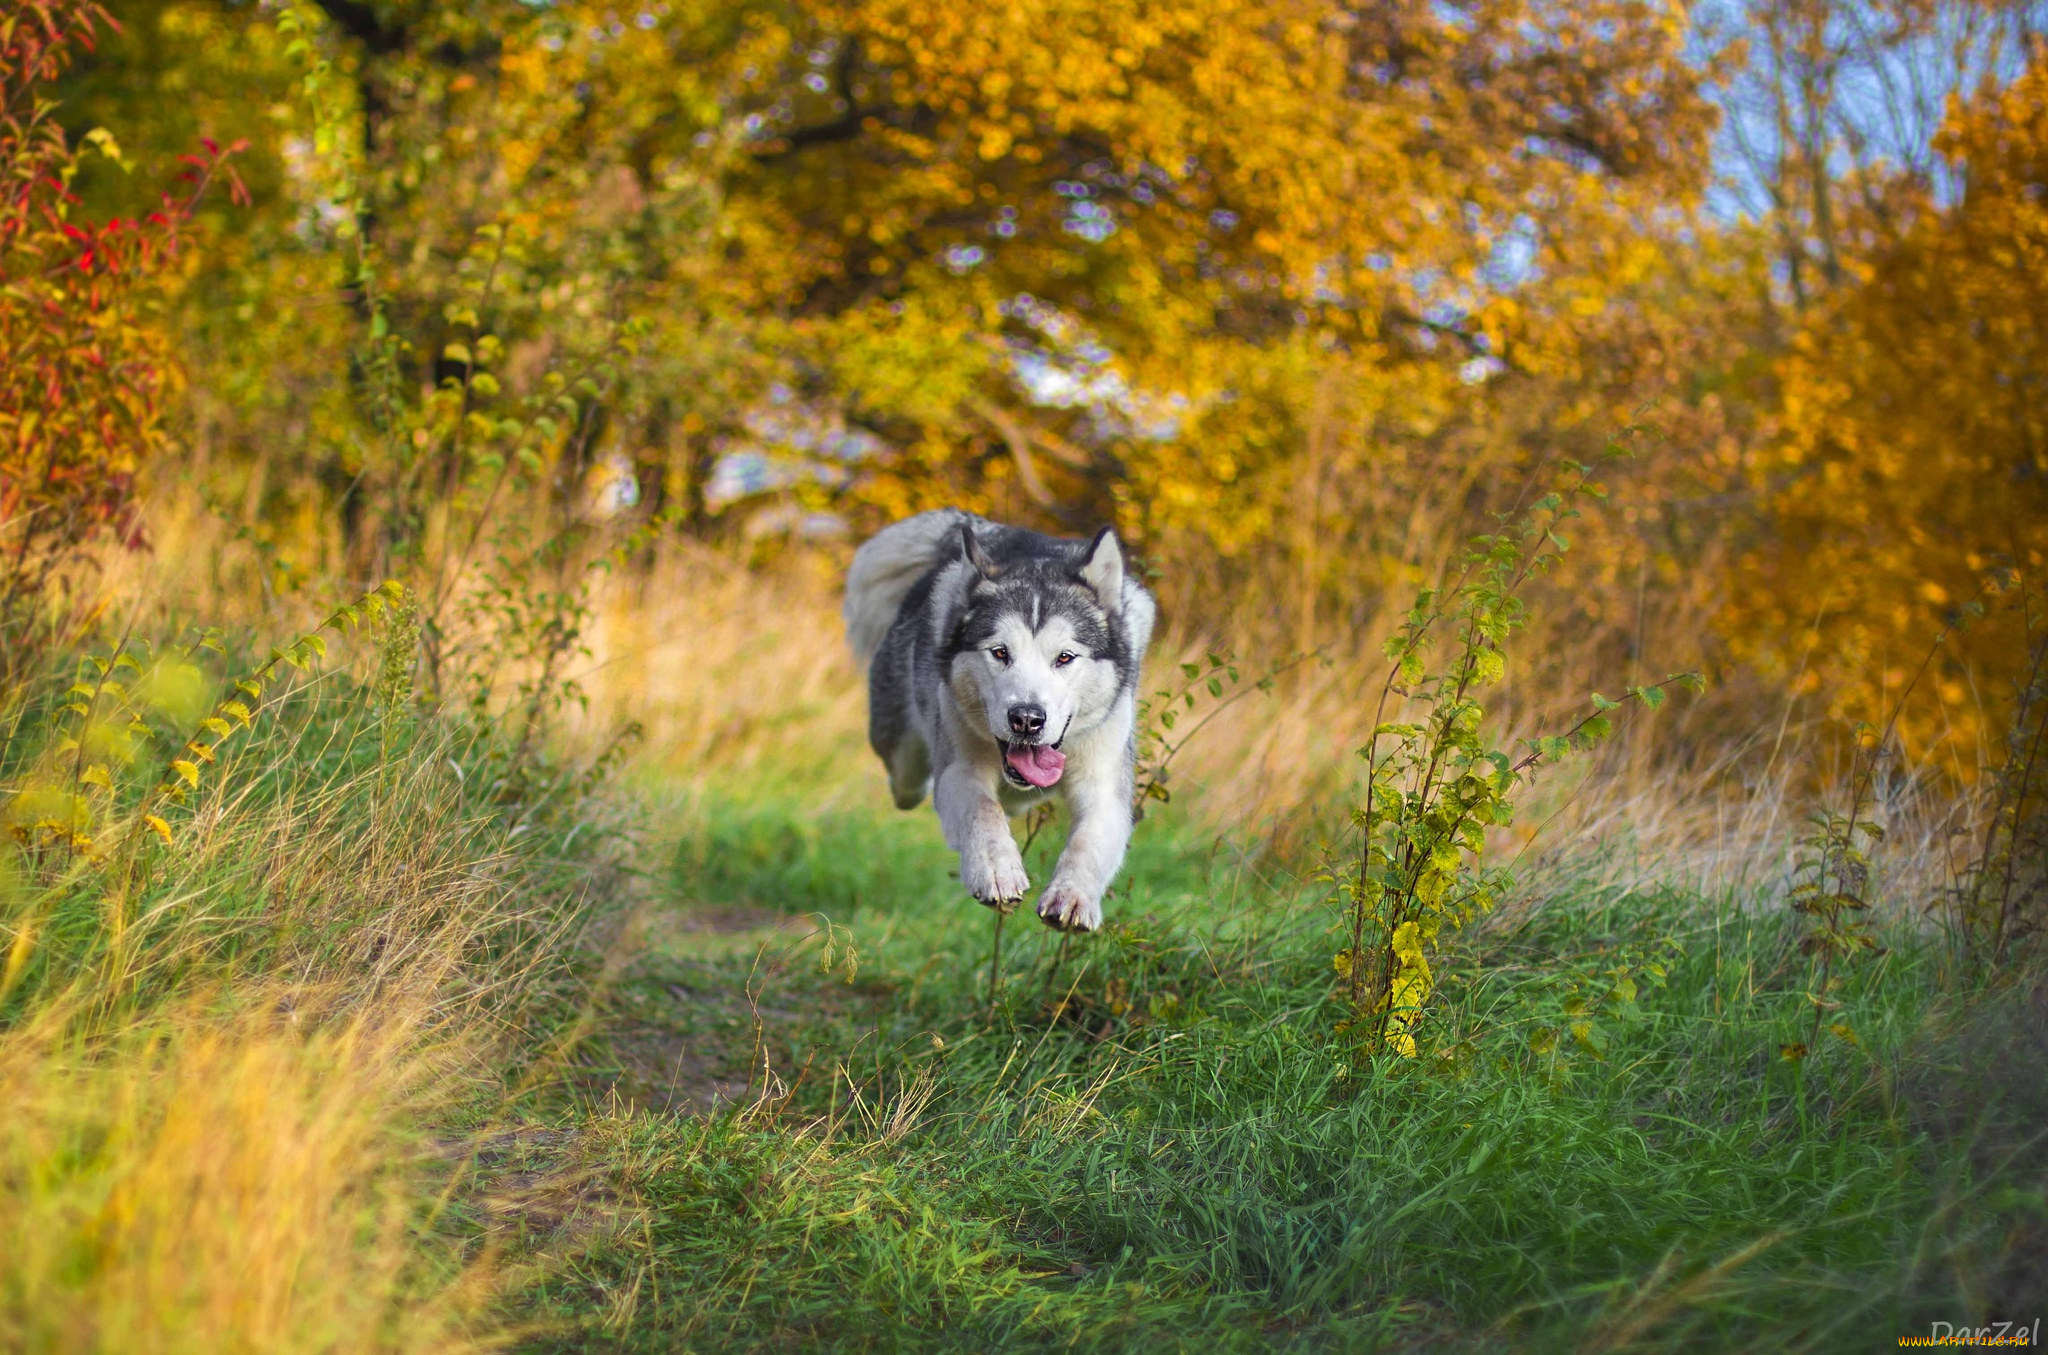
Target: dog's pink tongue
[[1040, 764]]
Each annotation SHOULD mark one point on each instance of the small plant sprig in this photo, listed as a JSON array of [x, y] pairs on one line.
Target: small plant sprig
[[398, 657], [1831, 890], [1159, 739], [1434, 786], [104, 725], [1593, 998], [536, 626], [237, 711]]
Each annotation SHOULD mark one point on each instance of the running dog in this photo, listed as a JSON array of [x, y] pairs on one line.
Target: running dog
[[1003, 669]]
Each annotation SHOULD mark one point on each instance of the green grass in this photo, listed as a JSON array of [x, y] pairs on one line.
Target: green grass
[[244, 1062], [1151, 1140], [801, 1116], [319, 849], [804, 1114]]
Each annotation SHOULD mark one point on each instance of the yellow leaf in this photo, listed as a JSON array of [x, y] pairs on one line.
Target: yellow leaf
[[186, 772], [17, 955], [1408, 942], [158, 826]]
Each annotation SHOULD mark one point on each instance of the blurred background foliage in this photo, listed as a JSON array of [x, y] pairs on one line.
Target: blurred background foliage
[[1295, 292], [579, 342]]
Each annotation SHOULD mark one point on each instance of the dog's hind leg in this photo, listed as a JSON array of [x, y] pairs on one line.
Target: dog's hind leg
[[910, 771], [895, 738]]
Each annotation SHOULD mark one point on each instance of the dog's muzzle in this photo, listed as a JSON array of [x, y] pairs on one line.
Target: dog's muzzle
[[1034, 766]]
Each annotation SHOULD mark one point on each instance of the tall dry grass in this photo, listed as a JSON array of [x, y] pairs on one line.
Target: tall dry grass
[[243, 1077], [214, 1180]]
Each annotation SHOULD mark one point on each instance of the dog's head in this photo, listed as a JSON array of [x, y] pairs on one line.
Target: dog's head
[[1034, 655]]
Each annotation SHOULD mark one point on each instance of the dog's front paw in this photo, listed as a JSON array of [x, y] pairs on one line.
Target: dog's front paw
[[1070, 909], [994, 874]]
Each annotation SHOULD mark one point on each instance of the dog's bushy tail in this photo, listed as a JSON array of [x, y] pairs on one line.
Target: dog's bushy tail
[[885, 568]]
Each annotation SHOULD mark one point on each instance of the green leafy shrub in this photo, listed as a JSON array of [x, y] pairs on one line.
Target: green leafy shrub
[[1434, 786]]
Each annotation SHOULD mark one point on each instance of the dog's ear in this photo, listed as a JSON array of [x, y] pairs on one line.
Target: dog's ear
[[973, 554], [1104, 570]]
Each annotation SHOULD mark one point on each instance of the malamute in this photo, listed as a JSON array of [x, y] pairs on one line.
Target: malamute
[[1003, 669]]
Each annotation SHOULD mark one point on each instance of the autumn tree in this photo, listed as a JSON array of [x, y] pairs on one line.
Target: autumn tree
[[1914, 460], [1065, 260]]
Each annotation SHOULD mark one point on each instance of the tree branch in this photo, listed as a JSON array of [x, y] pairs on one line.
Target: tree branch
[[361, 22], [845, 127], [1019, 443]]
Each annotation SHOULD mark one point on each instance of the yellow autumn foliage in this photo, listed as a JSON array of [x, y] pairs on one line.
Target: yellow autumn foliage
[[1913, 464], [1297, 294]]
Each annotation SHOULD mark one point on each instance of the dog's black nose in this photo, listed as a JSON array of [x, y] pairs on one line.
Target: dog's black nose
[[1027, 721]]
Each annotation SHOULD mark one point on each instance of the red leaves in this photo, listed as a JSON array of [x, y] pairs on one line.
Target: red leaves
[[120, 245], [82, 371], [31, 55]]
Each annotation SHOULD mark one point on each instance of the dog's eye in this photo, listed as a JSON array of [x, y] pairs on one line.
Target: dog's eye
[[1000, 654], [1063, 660]]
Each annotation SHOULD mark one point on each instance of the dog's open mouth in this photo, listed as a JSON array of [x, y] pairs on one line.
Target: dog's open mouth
[[1032, 764]]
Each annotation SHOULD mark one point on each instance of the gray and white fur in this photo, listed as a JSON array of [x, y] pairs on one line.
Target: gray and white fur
[[1002, 670]]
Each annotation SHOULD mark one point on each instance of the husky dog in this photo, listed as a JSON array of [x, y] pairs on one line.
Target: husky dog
[[1002, 669]]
